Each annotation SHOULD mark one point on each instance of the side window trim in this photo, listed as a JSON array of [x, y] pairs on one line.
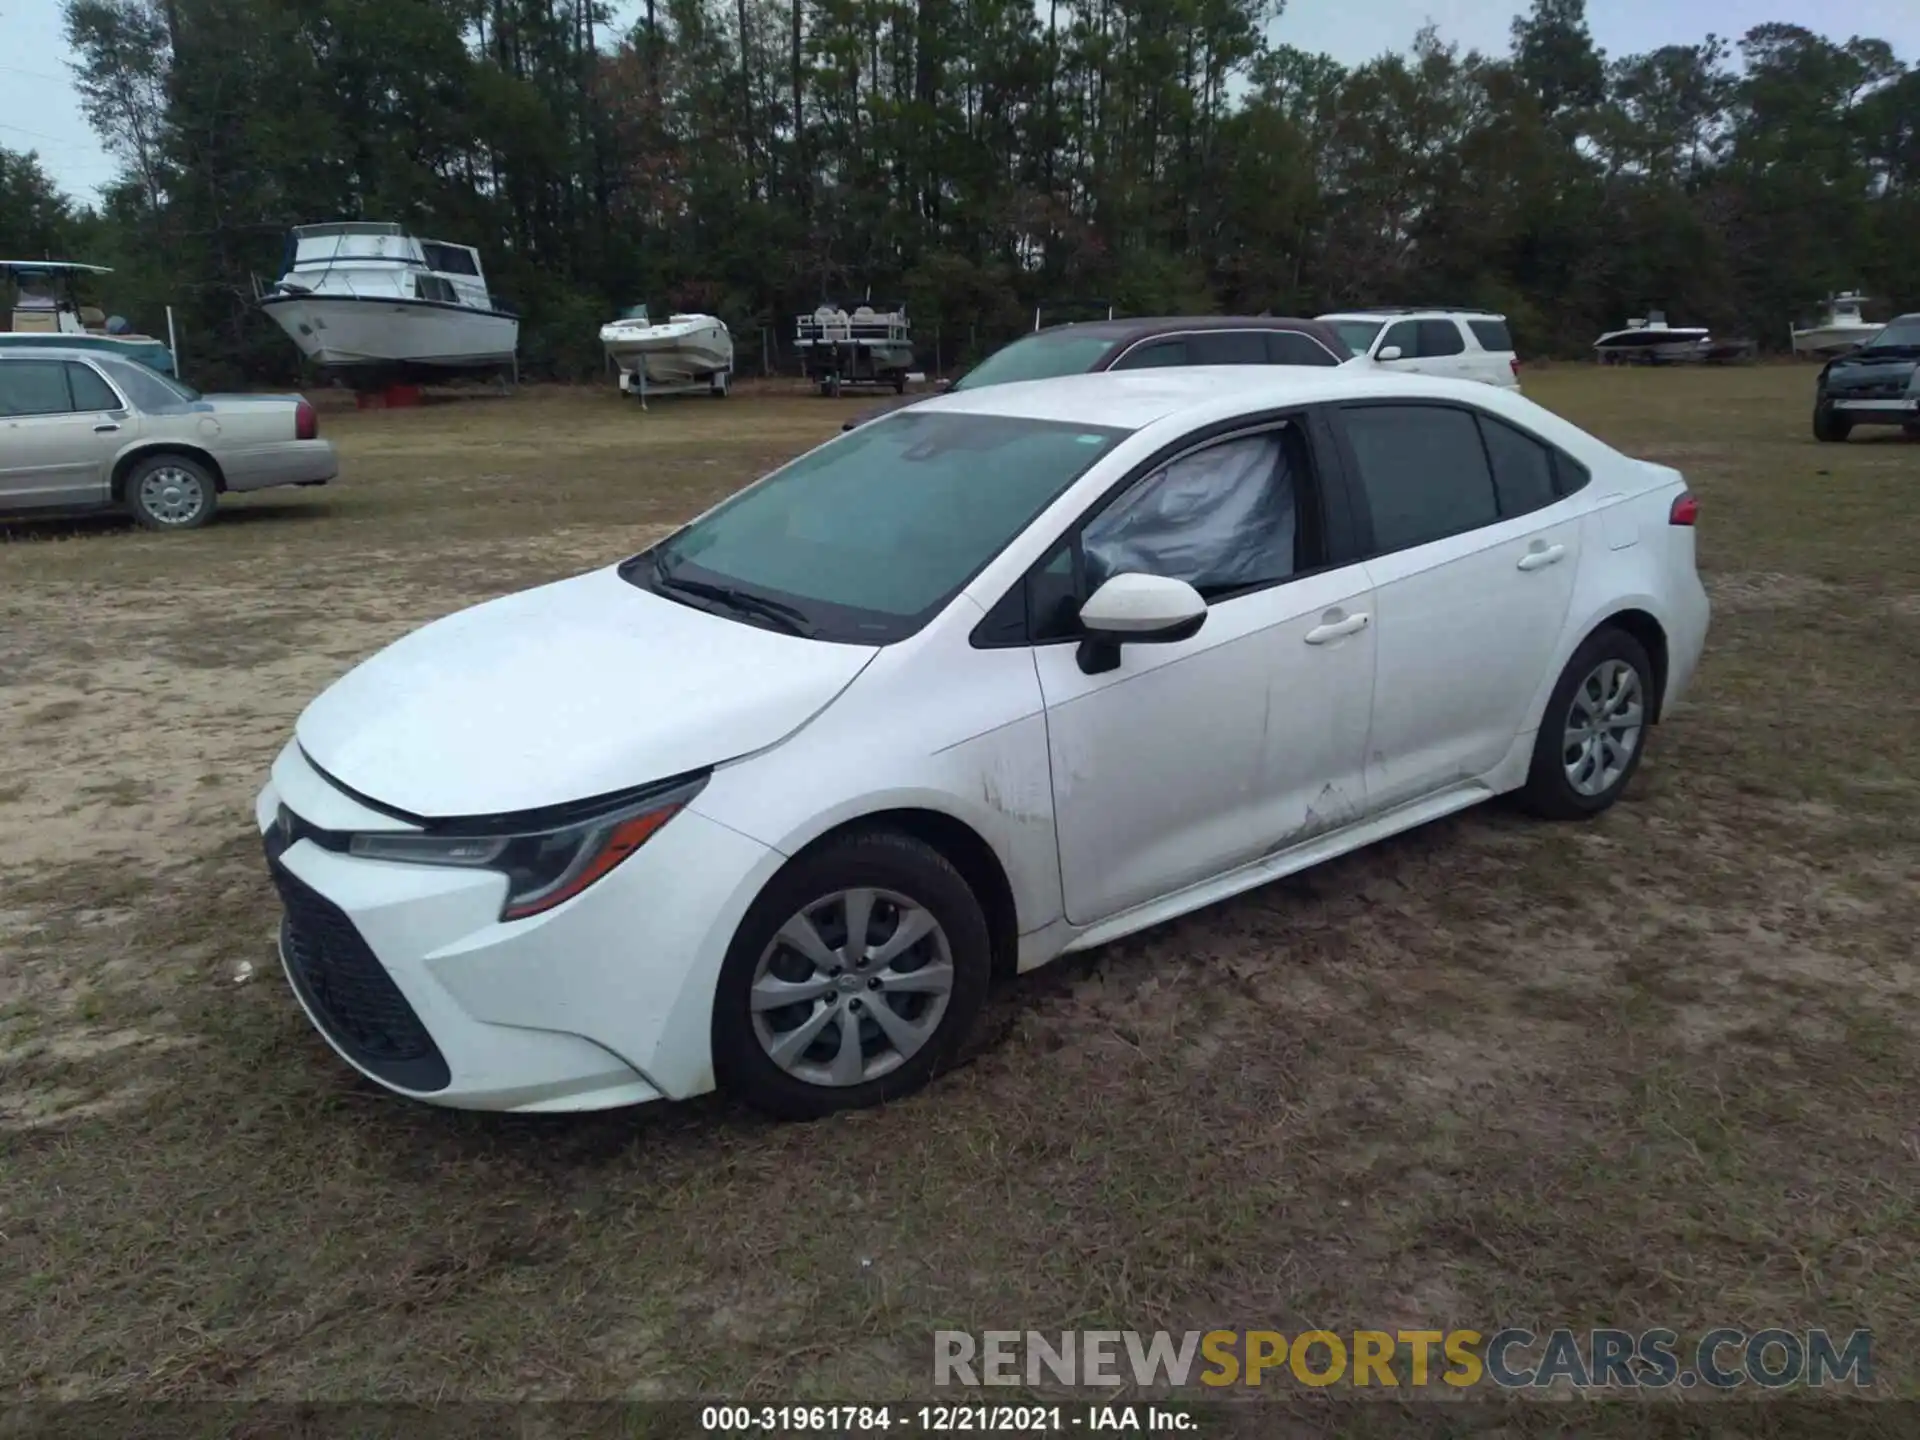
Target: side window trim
[[1334, 520], [1189, 336]]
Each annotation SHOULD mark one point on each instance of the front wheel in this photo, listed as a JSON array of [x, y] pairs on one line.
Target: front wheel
[[1593, 730], [170, 492], [1829, 424], [852, 980]]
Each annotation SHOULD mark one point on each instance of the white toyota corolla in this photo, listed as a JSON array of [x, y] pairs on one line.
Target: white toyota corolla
[[1004, 675]]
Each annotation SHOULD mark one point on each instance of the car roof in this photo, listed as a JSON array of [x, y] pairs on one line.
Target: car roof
[[1134, 399], [1141, 327], [51, 352], [1376, 312]]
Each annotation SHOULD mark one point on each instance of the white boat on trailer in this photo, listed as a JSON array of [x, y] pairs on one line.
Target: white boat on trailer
[[1840, 328], [863, 346], [366, 301], [1653, 342], [684, 352]]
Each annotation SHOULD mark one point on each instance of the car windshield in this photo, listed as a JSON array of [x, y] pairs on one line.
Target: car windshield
[[1901, 334], [151, 390], [1357, 333], [864, 539], [1038, 357]]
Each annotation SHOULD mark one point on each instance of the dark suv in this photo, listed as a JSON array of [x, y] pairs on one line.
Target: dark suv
[[1877, 384], [1141, 345]]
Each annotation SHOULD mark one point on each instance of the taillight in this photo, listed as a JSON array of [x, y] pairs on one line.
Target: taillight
[[1514, 361], [1685, 509], [306, 422]]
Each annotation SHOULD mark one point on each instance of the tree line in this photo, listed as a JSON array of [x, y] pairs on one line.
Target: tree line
[[977, 159]]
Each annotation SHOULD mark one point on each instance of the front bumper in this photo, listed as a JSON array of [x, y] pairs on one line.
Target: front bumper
[[606, 1000]]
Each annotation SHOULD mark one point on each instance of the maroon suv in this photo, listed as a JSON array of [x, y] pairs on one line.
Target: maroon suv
[[1142, 345]]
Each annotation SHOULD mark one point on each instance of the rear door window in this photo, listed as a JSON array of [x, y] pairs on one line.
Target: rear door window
[[1522, 468], [1290, 347], [34, 387], [1154, 355], [1423, 470], [1439, 338], [90, 392]]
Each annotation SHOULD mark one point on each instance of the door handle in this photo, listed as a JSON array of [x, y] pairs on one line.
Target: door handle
[[1336, 629], [106, 429], [1539, 559]]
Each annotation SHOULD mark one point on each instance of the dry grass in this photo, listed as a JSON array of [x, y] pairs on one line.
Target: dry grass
[[1661, 1069]]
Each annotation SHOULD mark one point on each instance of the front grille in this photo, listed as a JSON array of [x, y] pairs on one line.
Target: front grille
[[1876, 390], [349, 991]]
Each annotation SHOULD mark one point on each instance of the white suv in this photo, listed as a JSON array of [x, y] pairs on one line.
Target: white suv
[[1457, 344]]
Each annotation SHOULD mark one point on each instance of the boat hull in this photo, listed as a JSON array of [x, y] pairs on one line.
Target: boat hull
[[669, 354], [346, 334], [1654, 352], [1832, 339], [143, 348]]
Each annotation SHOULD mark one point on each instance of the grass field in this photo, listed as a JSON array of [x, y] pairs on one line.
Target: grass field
[[1663, 1069]]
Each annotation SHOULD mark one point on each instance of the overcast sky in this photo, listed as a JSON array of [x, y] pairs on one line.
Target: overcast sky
[[39, 111]]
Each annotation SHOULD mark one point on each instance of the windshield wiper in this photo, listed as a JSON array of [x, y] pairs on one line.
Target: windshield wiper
[[741, 601]]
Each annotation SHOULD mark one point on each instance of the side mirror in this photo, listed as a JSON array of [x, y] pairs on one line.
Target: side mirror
[[1134, 609], [1390, 352]]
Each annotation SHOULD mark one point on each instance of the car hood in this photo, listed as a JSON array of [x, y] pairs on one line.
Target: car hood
[[1864, 370], [563, 693], [886, 407]]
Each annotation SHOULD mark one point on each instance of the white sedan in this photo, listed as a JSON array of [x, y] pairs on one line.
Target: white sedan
[[1008, 674]]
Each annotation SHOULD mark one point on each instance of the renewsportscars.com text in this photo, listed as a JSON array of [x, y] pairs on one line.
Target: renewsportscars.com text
[[1508, 1359]]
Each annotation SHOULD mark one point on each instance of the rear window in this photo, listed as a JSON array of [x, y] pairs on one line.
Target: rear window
[[1492, 334], [1038, 357]]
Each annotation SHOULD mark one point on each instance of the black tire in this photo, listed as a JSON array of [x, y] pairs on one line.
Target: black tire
[[1828, 424], [170, 492], [900, 384], [1911, 429], [1549, 792], [878, 859]]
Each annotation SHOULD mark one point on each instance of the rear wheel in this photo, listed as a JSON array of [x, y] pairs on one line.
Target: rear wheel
[[1829, 424], [1593, 729], [1911, 429], [170, 492], [852, 980]]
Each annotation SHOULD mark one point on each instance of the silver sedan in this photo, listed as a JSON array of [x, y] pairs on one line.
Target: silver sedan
[[84, 431]]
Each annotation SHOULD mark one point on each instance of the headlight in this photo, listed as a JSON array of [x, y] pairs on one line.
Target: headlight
[[545, 864]]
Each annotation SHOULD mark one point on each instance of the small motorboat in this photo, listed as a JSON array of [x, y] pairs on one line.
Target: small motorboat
[[683, 352], [1839, 329], [368, 302], [47, 311], [1652, 341]]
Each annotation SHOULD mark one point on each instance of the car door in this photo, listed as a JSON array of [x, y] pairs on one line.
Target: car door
[[1443, 350], [1405, 334], [1194, 757], [54, 452], [1472, 555]]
